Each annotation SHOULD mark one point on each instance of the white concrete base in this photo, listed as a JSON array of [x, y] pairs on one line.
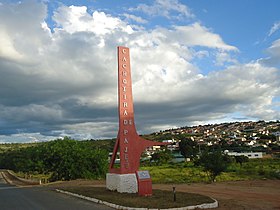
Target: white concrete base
[[123, 183]]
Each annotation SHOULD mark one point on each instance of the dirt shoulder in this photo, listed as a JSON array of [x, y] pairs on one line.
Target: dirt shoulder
[[13, 180], [245, 195]]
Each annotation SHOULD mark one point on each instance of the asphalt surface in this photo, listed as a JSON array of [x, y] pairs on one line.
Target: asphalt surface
[[40, 198]]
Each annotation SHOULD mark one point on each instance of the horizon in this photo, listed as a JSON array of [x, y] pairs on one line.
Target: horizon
[[61, 138]]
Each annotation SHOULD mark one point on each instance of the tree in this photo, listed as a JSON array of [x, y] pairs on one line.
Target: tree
[[69, 159], [213, 163], [188, 148], [65, 159], [241, 159], [162, 156]]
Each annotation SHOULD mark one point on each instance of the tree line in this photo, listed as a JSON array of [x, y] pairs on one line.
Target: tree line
[[65, 159], [69, 159]]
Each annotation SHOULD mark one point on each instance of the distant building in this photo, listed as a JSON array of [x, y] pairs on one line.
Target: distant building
[[277, 134], [177, 157], [251, 155]]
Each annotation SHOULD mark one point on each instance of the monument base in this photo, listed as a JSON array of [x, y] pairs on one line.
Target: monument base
[[123, 183]]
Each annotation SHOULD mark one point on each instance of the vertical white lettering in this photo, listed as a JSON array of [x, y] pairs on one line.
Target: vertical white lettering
[[124, 89], [125, 140], [123, 51], [125, 132], [124, 59], [125, 113], [125, 104], [124, 73], [124, 66], [127, 122], [124, 81], [126, 149], [124, 97]]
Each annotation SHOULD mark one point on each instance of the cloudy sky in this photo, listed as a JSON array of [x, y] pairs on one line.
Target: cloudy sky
[[193, 62]]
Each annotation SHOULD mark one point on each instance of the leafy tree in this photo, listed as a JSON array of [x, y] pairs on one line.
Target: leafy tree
[[65, 159], [241, 159], [162, 156], [213, 163], [70, 159], [188, 148]]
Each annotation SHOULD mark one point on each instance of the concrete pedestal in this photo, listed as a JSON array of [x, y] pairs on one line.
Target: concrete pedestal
[[123, 183]]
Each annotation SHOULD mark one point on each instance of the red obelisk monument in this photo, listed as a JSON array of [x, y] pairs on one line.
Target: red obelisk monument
[[129, 144]]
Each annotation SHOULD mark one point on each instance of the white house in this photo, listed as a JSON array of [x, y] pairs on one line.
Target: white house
[[250, 155]]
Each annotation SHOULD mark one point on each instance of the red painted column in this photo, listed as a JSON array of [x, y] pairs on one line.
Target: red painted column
[[129, 144]]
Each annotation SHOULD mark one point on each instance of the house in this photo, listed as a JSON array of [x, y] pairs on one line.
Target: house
[[250, 155], [277, 134]]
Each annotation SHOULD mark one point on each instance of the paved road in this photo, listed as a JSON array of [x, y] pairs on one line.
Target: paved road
[[40, 198]]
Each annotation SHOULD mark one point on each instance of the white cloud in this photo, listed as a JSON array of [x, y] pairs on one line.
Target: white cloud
[[25, 137], [274, 28], [15, 29], [64, 81], [74, 19], [274, 54], [165, 8], [7, 49], [135, 18], [91, 130], [197, 34], [223, 57], [202, 53], [274, 49]]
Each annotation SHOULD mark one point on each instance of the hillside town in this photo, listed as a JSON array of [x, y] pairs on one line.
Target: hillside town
[[235, 138]]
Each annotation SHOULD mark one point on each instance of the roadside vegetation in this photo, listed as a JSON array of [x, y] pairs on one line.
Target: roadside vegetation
[[65, 159], [190, 172], [69, 159]]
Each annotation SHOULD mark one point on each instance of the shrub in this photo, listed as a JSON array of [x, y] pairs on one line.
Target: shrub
[[65, 159], [213, 163]]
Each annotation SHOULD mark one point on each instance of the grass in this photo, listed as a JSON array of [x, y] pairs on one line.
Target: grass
[[188, 173], [34, 176], [257, 169], [159, 200], [177, 173]]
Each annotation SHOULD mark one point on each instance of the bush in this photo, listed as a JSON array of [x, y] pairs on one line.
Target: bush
[[241, 159], [161, 157], [213, 163], [65, 159]]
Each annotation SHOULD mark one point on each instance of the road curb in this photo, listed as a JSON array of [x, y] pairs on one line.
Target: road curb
[[215, 204], [12, 179], [6, 178]]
